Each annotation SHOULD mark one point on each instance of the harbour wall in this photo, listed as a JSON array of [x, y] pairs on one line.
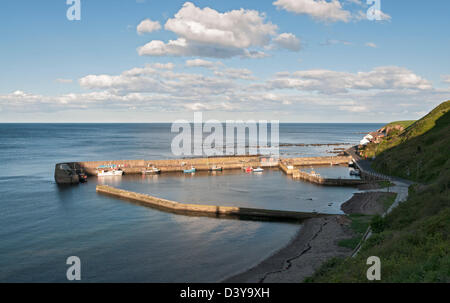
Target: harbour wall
[[301, 175], [178, 165], [337, 160], [206, 210], [287, 165], [231, 162]]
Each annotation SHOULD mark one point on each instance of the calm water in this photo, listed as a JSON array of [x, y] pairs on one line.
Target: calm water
[[42, 224]]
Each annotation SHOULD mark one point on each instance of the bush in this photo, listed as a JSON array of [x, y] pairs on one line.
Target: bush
[[377, 224]]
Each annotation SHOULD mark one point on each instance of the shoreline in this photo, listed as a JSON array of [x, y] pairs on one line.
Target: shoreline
[[315, 242]]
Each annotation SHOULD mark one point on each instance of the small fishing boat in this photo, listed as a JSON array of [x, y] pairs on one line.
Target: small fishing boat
[[82, 176], [249, 169], [189, 171], [258, 170], [151, 171], [314, 174], [215, 168], [103, 173]]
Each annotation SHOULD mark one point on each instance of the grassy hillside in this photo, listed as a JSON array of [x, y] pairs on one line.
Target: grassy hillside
[[413, 242], [421, 151], [404, 124]]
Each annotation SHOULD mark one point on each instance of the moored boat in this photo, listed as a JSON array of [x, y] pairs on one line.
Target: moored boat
[[151, 171], [106, 173], [82, 177], [258, 170], [109, 170], [248, 169], [189, 171], [314, 174], [215, 168]]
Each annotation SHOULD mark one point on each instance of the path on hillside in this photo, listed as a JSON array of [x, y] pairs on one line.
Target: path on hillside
[[400, 187]]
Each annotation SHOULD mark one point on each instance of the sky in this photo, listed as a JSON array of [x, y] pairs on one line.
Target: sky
[[159, 61]]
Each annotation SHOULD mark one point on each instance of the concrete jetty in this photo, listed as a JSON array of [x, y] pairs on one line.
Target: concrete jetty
[[301, 175], [206, 210]]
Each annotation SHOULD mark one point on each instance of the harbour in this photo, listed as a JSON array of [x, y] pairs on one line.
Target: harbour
[[56, 221]]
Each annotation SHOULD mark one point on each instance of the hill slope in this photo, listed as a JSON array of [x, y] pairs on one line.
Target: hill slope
[[421, 151], [413, 243]]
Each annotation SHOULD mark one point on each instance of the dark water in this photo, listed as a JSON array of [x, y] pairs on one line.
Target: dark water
[[42, 224]]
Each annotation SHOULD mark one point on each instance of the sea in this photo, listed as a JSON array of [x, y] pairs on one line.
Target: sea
[[43, 224]]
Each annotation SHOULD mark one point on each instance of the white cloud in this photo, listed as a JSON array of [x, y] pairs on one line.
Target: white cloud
[[237, 28], [375, 15], [169, 65], [202, 63], [198, 106], [148, 26], [371, 44], [205, 32], [445, 78], [331, 11], [354, 109], [336, 41], [331, 82], [288, 41], [382, 16], [64, 81], [183, 47], [158, 88], [236, 73], [357, 2]]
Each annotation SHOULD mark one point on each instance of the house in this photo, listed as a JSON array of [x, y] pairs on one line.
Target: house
[[364, 141]]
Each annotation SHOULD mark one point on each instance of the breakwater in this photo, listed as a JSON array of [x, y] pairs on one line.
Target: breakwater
[[287, 165], [313, 178], [205, 210]]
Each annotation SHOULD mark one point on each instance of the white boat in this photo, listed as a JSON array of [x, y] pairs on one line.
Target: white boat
[[151, 171], [314, 174], [258, 170], [102, 173]]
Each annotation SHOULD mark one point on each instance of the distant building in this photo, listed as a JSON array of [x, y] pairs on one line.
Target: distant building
[[364, 141], [374, 137]]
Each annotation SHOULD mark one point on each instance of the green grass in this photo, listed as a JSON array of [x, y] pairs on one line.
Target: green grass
[[413, 241], [388, 201], [419, 156], [414, 246], [359, 225], [414, 141], [404, 124], [385, 183]]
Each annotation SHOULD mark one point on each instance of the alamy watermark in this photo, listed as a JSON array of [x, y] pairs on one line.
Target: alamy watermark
[[374, 11], [74, 11], [234, 137], [73, 273], [374, 271]]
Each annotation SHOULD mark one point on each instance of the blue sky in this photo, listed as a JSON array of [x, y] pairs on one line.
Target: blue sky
[[289, 60]]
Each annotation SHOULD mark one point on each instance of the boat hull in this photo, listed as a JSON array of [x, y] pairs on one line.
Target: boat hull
[[110, 173]]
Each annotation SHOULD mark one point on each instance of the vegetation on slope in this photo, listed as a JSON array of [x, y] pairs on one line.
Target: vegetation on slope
[[403, 124], [413, 240], [413, 130], [420, 153]]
